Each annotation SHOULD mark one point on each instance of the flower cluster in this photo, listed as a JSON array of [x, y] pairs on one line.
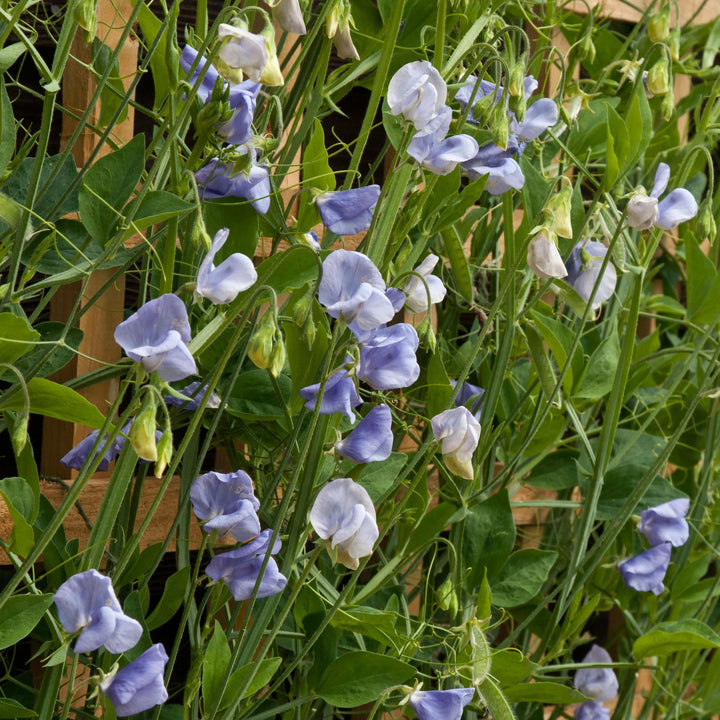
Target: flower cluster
[[418, 93], [87, 604], [226, 503], [665, 527], [598, 683]]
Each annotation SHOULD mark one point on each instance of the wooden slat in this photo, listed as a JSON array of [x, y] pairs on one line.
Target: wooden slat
[[700, 11]]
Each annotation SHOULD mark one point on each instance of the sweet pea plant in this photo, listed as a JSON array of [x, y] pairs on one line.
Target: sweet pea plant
[[358, 362]]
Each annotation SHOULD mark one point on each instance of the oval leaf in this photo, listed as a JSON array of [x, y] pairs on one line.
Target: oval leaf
[[669, 637]]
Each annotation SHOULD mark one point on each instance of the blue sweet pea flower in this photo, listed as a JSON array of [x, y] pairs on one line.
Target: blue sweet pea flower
[[387, 357], [440, 704], [87, 602], [645, 572], [222, 284], [597, 683], [583, 270], [77, 457], [239, 569], [195, 394], [348, 212], [157, 336], [352, 288], [467, 392], [340, 395], [371, 440], [227, 503], [591, 711], [139, 685], [501, 168], [666, 523], [417, 92]]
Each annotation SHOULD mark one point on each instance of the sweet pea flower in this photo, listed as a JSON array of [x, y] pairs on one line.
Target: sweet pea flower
[[157, 336], [77, 457], [643, 212], [591, 711], [583, 270], [666, 523], [417, 289], [371, 440], [344, 514], [139, 685], [239, 569], [417, 92], [459, 433], [218, 180], [543, 256], [227, 503], [438, 153], [340, 395], [440, 704], [645, 572], [387, 357], [347, 212], [87, 602], [468, 392], [252, 54], [195, 394], [352, 288], [502, 170], [222, 284], [288, 15], [597, 683]]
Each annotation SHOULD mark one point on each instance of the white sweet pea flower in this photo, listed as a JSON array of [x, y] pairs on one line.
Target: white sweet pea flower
[[222, 284], [417, 92], [244, 50], [288, 15], [343, 514], [416, 290], [543, 256], [459, 433]]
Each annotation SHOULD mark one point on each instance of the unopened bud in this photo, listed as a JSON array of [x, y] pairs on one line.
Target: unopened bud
[[142, 432], [164, 452], [309, 331], [426, 334], [586, 49], [667, 107], [262, 341], [659, 26], [271, 74], [558, 212], [277, 357], [19, 432], [301, 309], [706, 223], [86, 18], [499, 126], [658, 82], [673, 42], [446, 598], [516, 83]]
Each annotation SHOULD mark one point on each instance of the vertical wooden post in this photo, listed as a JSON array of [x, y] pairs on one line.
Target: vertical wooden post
[[97, 323]]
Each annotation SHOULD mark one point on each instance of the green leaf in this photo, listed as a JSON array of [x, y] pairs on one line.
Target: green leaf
[[559, 338], [361, 677], [291, 269], [639, 124], [156, 207], [113, 90], [263, 674], [255, 398], [216, 658], [370, 622], [496, 702], [20, 501], [378, 477], [459, 264], [13, 709], [703, 284], [62, 354], [317, 172], [599, 376], [669, 637], [108, 185], [557, 471], [171, 600], [151, 26], [57, 401], [16, 337], [240, 218], [430, 526], [9, 54], [20, 614], [488, 537], [510, 667], [543, 692], [522, 577], [7, 127]]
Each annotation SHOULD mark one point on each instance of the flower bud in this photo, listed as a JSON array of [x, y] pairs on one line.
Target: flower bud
[[309, 331], [673, 43], [262, 341], [706, 223], [277, 357], [667, 107], [164, 452], [587, 48], [86, 18], [543, 256], [271, 75], [446, 597], [142, 431], [558, 212], [659, 26], [499, 126], [516, 84], [301, 309], [658, 82]]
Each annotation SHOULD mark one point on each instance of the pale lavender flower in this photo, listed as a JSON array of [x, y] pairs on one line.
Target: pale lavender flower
[[227, 503], [666, 523], [543, 256], [371, 440], [468, 392], [417, 92], [139, 685], [440, 704], [583, 270], [597, 683], [222, 284], [502, 170], [340, 395], [459, 433], [288, 15], [347, 212], [591, 711], [343, 513], [352, 288], [243, 50], [77, 457], [87, 602], [218, 180], [387, 357], [417, 289], [157, 336], [645, 572], [643, 212], [239, 569], [438, 153], [195, 394]]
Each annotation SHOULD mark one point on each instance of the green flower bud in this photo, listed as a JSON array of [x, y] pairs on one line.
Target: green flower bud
[[309, 331], [659, 25], [586, 48], [271, 75], [85, 14], [558, 212], [142, 431], [446, 598], [164, 453], [262, 341], [668, 106], [277, 357], [658, 81], [499, 126], [673, 43], [301, 309], [516, 83], [706, 223]]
